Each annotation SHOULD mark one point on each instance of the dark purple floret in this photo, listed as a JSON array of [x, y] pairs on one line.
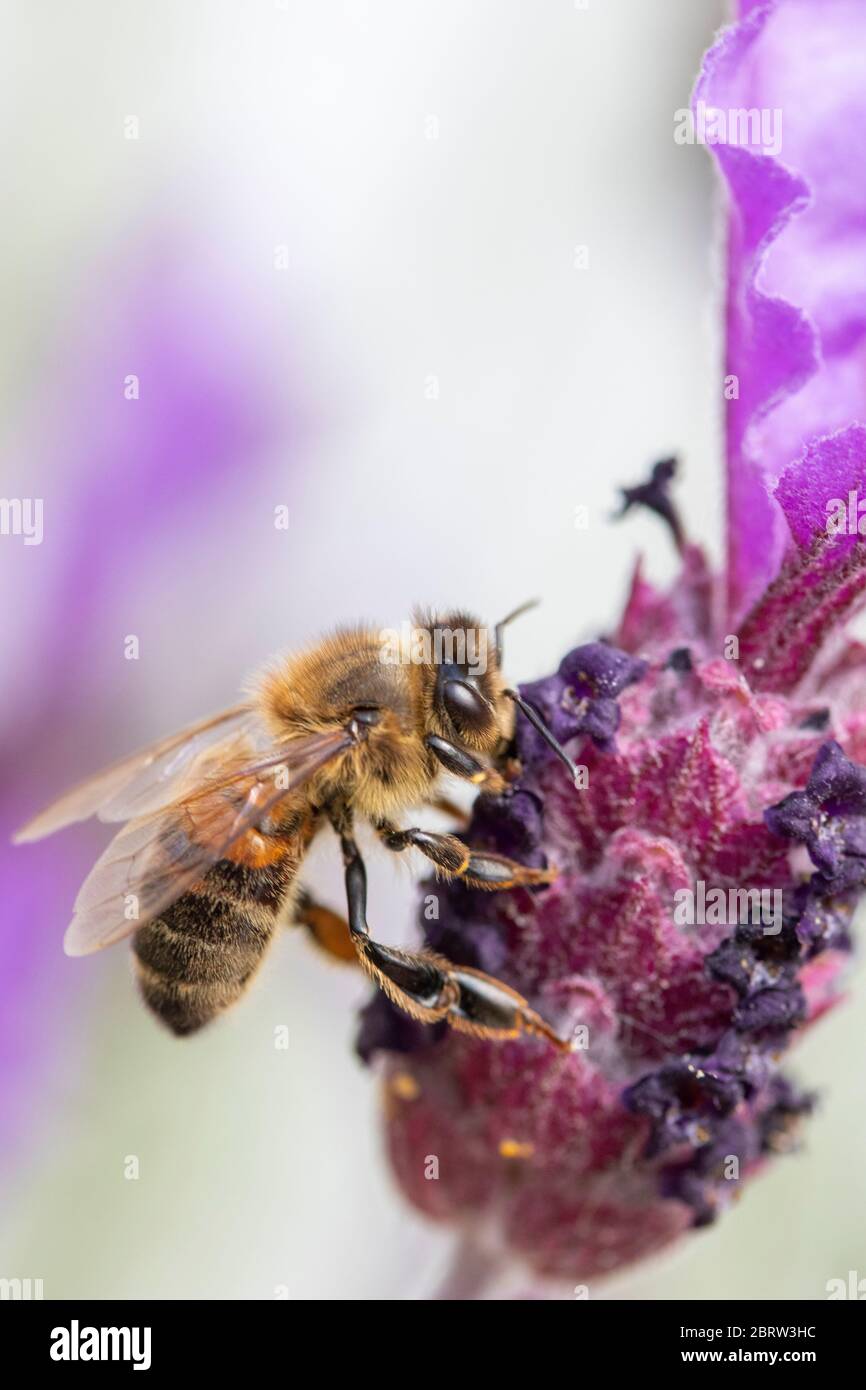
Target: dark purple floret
[[599, 669], [510, 824], [702, 1180], [795, 817], [581, 699], [655, 495], [818, 720], [771, 1010], [601, 721], [385, 1028], [548, 696], [751, 959], [708, 1176], [829, 817], [685, 1094], [825, 918], [680, 660], [836, 782], [481, 945], [788, 1105]]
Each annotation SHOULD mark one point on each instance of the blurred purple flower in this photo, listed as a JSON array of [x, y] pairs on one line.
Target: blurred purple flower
[[113, 474], [698, 722]]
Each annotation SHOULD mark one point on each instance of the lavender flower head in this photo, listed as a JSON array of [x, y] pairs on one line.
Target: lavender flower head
[[710, 868]]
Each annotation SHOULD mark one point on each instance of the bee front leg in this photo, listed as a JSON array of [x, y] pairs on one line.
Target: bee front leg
[[464, 764], [427, 986], [454, 859]]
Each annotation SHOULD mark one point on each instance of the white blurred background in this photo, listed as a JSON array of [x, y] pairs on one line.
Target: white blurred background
[[392, 196]]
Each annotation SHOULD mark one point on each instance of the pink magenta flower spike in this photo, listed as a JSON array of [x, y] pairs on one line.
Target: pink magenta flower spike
[[710, 867]]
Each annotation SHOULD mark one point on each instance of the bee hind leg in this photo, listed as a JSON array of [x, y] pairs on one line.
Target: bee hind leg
[[430, 989], [449, 808], [328, 929], [427, 986]]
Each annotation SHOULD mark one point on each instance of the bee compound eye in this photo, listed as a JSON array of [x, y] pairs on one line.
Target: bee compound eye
[[466, 705]]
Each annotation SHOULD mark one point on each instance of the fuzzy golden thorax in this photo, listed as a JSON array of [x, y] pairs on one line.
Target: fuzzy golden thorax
[[402, 676]]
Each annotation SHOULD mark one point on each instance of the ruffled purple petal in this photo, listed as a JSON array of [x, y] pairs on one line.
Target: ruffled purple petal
[[796, 264]]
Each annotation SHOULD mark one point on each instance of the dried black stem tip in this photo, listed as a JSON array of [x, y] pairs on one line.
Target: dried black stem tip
[[654, 494]]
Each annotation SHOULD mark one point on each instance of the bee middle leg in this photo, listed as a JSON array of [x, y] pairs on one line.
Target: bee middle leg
[[454, 859], [427, 986]]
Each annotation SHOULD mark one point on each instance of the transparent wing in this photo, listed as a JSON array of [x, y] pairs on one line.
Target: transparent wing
[[145, 780], [153, 860]]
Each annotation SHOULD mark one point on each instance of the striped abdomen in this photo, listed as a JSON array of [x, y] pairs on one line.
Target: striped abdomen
[[198, 957]]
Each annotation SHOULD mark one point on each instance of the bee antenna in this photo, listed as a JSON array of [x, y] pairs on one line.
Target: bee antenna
[[539, 725], [503, 623]]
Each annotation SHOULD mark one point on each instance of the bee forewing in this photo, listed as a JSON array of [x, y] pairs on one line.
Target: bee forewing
[[152, 861], [141, 782], [202, 757]]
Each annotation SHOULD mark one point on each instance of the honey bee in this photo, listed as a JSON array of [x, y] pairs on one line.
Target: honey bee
[[218, 819]]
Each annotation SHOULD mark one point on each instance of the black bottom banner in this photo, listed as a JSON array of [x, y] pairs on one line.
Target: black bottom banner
[[69, 1338]]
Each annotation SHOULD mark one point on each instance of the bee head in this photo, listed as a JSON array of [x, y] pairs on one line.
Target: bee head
[[461, 681]]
